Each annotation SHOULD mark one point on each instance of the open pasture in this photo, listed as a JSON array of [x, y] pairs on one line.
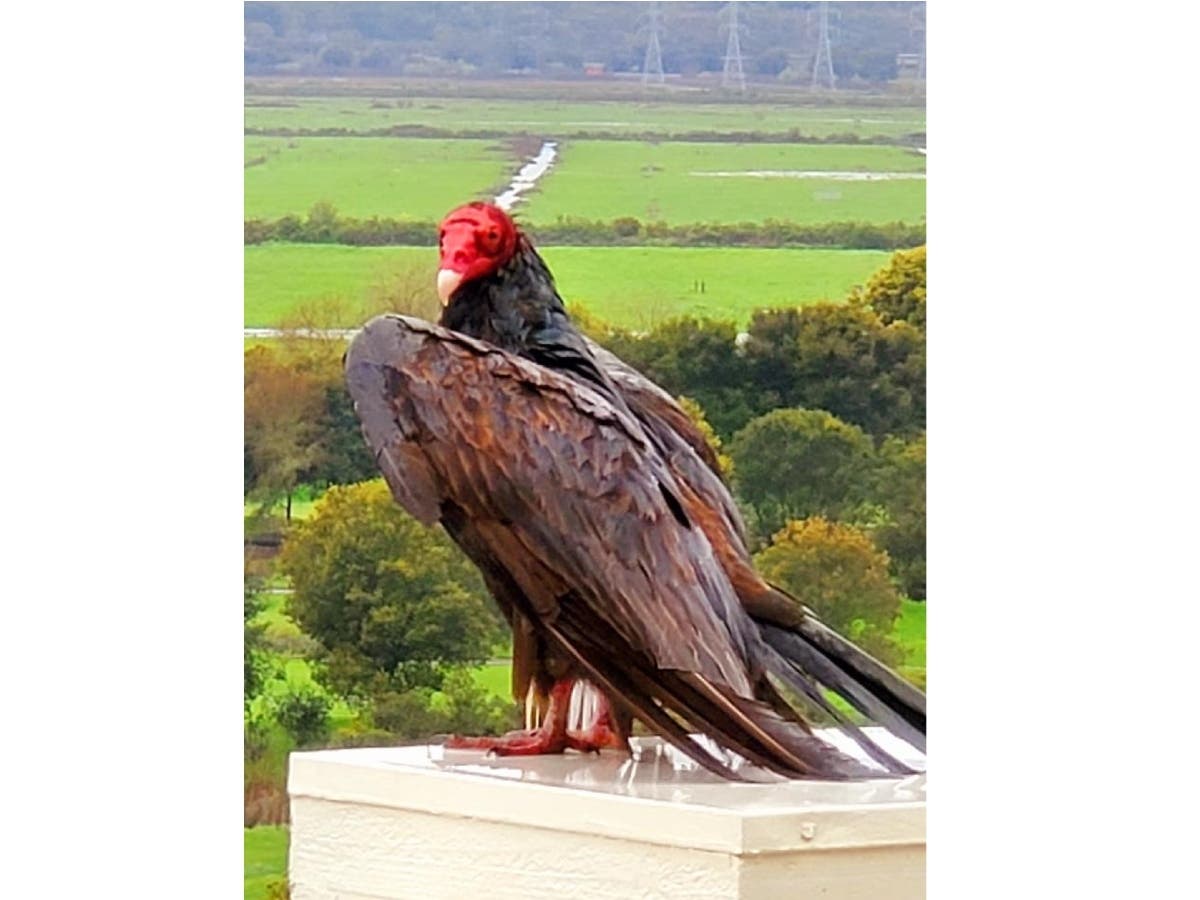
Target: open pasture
[[682, 183], [675, 182], [364, 177], [633, 287], [557, 118], [265, 859], [281, 277]]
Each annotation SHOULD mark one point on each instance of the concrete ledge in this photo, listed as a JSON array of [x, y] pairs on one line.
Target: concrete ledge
[[422, 822]]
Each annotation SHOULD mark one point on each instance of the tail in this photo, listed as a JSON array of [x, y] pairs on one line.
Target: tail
[[678, 705], [810, 651]]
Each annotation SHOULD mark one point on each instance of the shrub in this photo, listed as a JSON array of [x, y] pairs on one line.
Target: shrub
[[836, 570], [256, 736], [323, 225], [626, 227], [394, 604], [463, 707], [897, 292], [792, 463], [471, 709], [303, 712], [406, 714]]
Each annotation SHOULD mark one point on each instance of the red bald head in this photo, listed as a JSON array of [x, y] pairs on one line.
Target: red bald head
[[474, 240]]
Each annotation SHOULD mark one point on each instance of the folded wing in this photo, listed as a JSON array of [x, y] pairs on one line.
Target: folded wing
[[570, 504]]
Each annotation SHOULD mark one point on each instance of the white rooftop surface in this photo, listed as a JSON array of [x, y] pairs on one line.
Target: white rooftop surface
[[657, 795]]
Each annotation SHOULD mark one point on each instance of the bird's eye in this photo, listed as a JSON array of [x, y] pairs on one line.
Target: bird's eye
[[490, 240]]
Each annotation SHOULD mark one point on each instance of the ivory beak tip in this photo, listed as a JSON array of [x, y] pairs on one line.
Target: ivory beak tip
[[447, 281]]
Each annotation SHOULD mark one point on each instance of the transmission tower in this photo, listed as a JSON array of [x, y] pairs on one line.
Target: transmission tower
[[823, 55], [733, 75], [652, 69], [916, 31]]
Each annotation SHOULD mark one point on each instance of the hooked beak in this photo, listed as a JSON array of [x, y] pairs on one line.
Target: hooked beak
[[447, 281]]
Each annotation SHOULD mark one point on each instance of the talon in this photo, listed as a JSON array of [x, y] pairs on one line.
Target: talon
[[553, 735]]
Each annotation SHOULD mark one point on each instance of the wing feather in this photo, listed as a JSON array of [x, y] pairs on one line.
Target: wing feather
[[569, 497]]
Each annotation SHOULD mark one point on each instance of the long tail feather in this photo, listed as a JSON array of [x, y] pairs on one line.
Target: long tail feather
[[644, 707], [803, 684], [784, 741], [868, 669], [844, 668], [747, 727]]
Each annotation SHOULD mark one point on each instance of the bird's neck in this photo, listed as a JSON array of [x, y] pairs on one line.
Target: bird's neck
[[518, 309], [514, 307]]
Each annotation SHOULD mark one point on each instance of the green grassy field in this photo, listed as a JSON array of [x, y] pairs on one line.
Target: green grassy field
[[290, 671], [365, 177], [265, 858], [496, 679], [302, 507], [279, 277], [910, 633], [638, 287], [673, 182], [551, 117], [634, 287]]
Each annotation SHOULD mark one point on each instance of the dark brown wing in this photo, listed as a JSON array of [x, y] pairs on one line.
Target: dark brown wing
[[813, 652], [651, 403], [568, 498]]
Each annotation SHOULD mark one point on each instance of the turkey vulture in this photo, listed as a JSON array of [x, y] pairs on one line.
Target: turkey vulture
[[595, 511]]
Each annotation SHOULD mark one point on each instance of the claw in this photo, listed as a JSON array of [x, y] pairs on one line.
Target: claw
[[552, 736], [600, 735]]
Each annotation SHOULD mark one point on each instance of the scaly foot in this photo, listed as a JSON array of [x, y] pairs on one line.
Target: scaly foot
[[549, 737]]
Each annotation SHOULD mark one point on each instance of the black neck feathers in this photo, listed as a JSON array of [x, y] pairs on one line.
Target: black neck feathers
[[518, 309]]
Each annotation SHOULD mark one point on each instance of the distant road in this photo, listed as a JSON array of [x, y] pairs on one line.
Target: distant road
[[346, 333]]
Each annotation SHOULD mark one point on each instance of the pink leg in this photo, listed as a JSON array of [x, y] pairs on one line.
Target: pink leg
[[552, 736], [549, 737], [602, 733]]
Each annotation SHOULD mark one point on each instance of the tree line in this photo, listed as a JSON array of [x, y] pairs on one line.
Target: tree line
[[324, 225], [556, 40], [791, 136]]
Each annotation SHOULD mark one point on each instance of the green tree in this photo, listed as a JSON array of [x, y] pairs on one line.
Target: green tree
[[300, 426], [899, 485], [792, 463], [698, 358], [695, 412], [281, 407], [836, 570], [346, 458], [395, 605], [897, 291], [255, 665], [841, 358]]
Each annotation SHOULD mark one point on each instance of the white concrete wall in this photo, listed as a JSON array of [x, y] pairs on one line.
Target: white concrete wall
[[416, 823]]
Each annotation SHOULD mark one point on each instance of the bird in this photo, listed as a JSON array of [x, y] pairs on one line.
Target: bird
[[597, 515], [495, 286]]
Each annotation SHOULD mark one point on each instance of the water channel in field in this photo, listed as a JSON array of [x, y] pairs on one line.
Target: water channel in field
[[528, 176]]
